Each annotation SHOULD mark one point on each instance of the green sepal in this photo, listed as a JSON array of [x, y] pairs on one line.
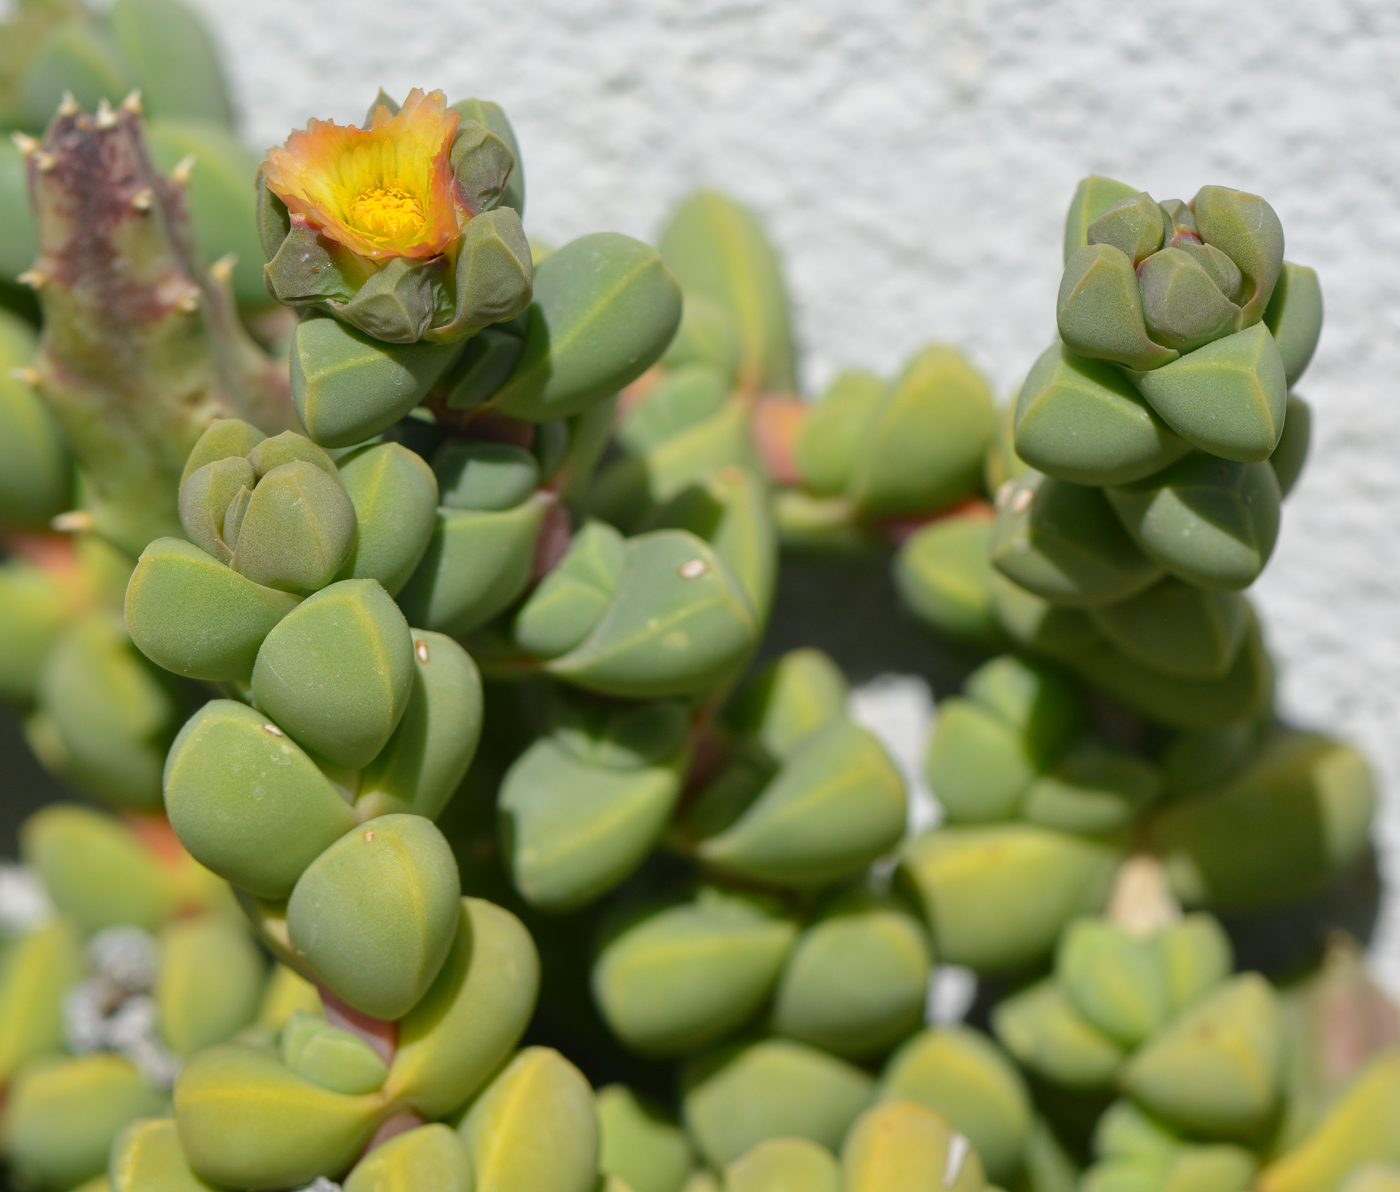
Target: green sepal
[[1081, 420], [856, 980], [36, 972], [1226, 398], [1299, 813], [735, 1098], [475, 566], [274, 221], [335, 1059], [397, 302], [490, 116], [1245, 228], [424, 763], [534, 1126], [307, 267], [62, 1113], [923, 445], [1217, 1069], [1042, 1029], [225, 754], [480, 475], [428, 1157], [960, 1073], [347, 386], [1294, 317], [681, 622], [395, 496], [493, 276], [1062, 542], [1116, 980], [146, 1157], [833, 433], [1099, 310], [1209, 521], [943, 575], [210, 980], [336, 672], [481, 167], [248, 1121], [718, 251], [1093, 791], [1177, 628], [604, 310], [295, 531], [573, 597], [193, 615], [223, 438], [1292, 451], [376, 913], [684, 397], [1092, 197], [109, 712], [995, 898], [95, 869], [684, 976], [639, 1143], [464, 1027], [36, 467], [572, 829]]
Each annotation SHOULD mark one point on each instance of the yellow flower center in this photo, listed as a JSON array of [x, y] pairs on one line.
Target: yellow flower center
[[387, 211]]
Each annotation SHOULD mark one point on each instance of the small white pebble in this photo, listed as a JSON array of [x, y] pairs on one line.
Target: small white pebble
[[24, 903], [126, 956]]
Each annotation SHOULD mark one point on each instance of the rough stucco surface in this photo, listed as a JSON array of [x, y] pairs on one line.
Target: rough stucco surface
[[913, 158]]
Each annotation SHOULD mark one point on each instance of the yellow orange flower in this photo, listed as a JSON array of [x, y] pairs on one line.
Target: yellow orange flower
[[382, 191]]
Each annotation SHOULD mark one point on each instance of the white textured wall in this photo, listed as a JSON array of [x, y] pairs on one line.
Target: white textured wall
[[913, 159]]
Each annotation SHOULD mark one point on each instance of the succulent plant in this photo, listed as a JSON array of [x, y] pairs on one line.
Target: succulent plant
[[123, 957], [443, 655]]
